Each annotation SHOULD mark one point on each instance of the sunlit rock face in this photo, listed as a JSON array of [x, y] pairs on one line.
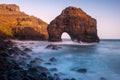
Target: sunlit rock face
[[74, 21], [16, 24], [9, 7]]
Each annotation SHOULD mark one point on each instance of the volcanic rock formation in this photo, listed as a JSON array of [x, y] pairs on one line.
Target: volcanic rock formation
[[74, 21], [18, 25]]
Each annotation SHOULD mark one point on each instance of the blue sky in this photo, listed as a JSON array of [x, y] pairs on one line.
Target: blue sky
[[107, 12]]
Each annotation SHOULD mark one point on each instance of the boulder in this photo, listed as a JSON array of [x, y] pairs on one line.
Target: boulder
[[27, 50], [74, 21]]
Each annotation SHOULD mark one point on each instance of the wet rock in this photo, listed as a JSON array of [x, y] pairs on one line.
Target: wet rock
[[53, 47], [2, 45], [66, 79], [73, 79], [53, 59], [16, 51], [10, 68], [56, 77], [27, 50], [22, 64], [8, 43], [53, 69], [15, 75], [39, 69], [82, 70], [4, 54], [102, 78], [5, 44], [3, 77], [48, 63], [23, 46], [50, 78], [36, 62]]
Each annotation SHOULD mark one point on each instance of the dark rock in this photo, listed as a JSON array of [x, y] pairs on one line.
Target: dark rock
[[50, 78], [15, 75], [82, 70], [5, 44], [9, 43], [36, 62], [17, 51], [39, 69], [2, 45], [79, 25], [48, 63], [53, 69], [73, 79], [102, 78], [27, 50], [66, 79], [56, 77], [3, 77], [52, 46], [53, 59], [10, 68]]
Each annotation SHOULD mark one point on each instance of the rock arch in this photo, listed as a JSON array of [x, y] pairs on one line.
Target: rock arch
[[75, 22], [65, 35]]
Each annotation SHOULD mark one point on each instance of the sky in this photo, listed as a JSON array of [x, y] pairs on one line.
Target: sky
[[107, 12]]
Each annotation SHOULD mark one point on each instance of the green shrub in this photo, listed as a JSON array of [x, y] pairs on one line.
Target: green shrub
[[26, 23]]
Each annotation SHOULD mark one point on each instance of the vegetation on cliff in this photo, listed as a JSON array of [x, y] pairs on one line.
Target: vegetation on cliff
[[18, 25]]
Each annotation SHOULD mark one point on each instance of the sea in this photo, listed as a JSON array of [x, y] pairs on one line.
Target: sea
[[100, 60]]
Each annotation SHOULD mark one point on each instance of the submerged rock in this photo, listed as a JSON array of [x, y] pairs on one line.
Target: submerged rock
[[79, 70], [74, 21], [102, 78], [53, 47], [53, 59], [39, 69], [82, 70], [53, 69], [73, 79], [36, 62]]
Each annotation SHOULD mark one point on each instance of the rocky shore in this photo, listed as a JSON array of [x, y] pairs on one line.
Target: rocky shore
[[10, 68], [14, 67]]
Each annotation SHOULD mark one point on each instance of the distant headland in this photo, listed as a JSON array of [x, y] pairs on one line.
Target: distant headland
[[18, 25]]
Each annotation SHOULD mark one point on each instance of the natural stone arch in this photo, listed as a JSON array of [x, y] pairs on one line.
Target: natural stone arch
[[65, 35], [74, 21]]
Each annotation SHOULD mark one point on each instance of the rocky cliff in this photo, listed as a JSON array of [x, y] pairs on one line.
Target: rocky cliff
[[18, 25], [79, 25]]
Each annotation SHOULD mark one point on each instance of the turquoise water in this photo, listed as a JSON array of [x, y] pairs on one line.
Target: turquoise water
[[100, 60]]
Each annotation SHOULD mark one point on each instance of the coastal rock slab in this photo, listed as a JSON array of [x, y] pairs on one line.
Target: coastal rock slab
[[74, 21]]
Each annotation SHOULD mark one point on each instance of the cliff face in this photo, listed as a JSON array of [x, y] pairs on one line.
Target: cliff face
[[18, 25], [9, 7], [74, 21]]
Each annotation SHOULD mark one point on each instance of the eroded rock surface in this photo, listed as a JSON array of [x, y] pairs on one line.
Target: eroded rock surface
[[79, 25], [16, 24]]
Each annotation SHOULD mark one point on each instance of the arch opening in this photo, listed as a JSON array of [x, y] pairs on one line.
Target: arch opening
[[65, 37]]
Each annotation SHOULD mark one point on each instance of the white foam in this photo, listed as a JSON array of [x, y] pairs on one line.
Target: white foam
[[69, 58]]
